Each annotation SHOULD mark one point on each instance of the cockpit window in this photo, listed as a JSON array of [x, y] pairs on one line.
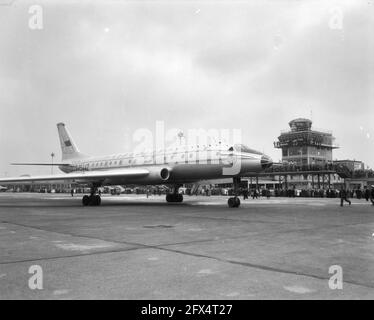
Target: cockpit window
[[243, 148]]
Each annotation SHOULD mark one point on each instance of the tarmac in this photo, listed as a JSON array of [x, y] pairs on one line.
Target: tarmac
[[133, 247]]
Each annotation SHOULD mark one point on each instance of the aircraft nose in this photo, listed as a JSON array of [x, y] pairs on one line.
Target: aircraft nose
[[266, 161]]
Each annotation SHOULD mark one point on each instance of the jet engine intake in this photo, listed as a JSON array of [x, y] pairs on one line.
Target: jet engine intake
[[165, 174]]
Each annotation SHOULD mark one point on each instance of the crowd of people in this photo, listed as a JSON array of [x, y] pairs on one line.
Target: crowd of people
[[307, 167], [363, 173], [343, 194], [367, 194], [369, 173]]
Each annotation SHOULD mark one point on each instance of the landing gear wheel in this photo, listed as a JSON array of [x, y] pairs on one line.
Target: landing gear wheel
[[233, 202], [174, 197], [179, 198], [237, 202], [86, 200], [96, 200]]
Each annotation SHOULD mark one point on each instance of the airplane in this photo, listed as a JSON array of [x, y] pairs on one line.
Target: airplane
[[172, 166]]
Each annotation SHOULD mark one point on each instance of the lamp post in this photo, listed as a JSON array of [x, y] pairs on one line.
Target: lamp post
[[180, 136], [52, 156]]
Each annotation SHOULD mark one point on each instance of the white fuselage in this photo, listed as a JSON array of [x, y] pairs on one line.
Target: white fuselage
[[185, 163]]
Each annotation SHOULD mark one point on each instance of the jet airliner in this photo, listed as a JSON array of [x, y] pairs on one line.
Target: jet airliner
[[173, 166]]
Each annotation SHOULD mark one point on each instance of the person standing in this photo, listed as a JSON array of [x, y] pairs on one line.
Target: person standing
[[245, 193], [344, 196], [254, 195], [372, 195], [359, 193], [367, 193]]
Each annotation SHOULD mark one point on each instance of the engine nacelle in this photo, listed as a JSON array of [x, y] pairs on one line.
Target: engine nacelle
[[158, 174]]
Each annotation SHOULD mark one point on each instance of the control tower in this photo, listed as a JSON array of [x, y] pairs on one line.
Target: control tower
[[304, 146]]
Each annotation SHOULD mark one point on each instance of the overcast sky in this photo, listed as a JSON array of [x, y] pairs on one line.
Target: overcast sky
[[109, 69]]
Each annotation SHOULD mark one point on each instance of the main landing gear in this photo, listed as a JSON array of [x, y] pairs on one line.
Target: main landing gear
[[234, 202], [93, 199], [175, 196]]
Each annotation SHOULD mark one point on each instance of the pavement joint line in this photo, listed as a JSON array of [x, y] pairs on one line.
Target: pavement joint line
[[164, 248], [120, 242], [137, 245], [263, 267], [235, 220], [70, 256], [166, 244], [142, 245]]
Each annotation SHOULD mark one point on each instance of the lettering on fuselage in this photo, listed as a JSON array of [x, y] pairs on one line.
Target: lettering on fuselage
[[80, 167]]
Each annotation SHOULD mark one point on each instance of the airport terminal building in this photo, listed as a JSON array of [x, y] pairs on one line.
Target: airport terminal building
[[307, 162]]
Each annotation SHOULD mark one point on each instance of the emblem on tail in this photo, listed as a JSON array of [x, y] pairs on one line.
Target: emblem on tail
[[68, 148]]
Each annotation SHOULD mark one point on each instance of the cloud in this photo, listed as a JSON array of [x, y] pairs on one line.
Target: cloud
[[107, 69]]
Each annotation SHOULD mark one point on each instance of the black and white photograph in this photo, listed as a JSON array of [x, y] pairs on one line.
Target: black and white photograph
[[188, 155]]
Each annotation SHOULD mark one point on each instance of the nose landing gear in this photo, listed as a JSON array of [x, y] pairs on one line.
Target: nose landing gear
[[234, 202]]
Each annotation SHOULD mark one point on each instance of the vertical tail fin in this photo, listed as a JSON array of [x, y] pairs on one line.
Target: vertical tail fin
[[68, 147]]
